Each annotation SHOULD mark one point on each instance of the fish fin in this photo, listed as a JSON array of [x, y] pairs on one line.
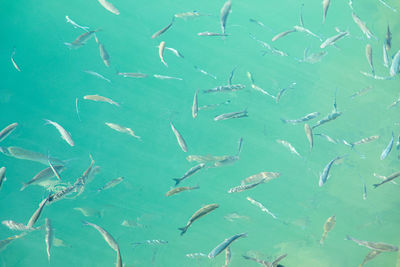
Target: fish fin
[[177, 181], [183, 229]]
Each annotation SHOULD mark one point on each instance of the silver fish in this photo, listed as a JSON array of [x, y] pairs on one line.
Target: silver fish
[[305, 30], [97, 75], [35, 216], [107, 237], [325, 7], [257, 22], [365, 140], [332, 40], [13, 60], [309, 135], [362, 26], [214, 105], [386, 60], [244, 187], [364, 191], [232, 115], [158, 33], [313, 57], [196, 255], [151, 242], [225, 10], [262, 176], [5, 242], [21, 153], [176, 52], [104, 54], [211, 34], [282, 34], [49, 237], [132, 74], [43, 175], [371, 255], [64, 134], [325, 173], [2, 176], [361, 92], [76, 25], [8, 130], [205, 72], [226, 243], [197, 215], [225, 88], [163, 77], [161, 48], [394, 68], [195, 106], [330, 117], [179, 138], [100, 99], [388, 148], [189, 173], [261, 206], [15, 226], [111, 183], [110, 7], [289, 146], [379, 246], [388, 38], [328, 138], [81, 39], [368, 54], [119, 259], [228, 257], [122, 129], [307, 117], [390, 178]]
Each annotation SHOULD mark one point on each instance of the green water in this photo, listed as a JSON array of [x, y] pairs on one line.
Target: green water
[[53, 76]]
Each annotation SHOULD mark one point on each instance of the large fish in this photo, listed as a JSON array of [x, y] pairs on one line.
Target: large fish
[[7, 131], [21, 153], [226, 243], [197, 215], [64, 134], [362, 26], [35, 216], [107, 237], [43, 175]]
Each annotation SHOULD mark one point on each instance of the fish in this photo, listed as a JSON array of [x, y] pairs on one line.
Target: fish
[[289, 146], [163, 77], [161, 48], [197, 215], [107, 237], [8, 130], [261, 206], [122, 129], [35, 216], [371, 255], [196, 255], [305, 30], [390, 178], [257, 22], [325, 173], [64, 134], [179, 138], [81, 39], [15, 226], [307, 117], [309, 135], [195, 106], [119, 259], [210, 106], [386, 60], [282, 34], [175, 52], [225, 161], [21, 153], [151, 242], [2, 176], [388, 148], [368, 54], [43, 175], [97, 75], [376, 77], [110, 7], [363, 26], [332, 40], [231, 115], [89, 212], [228, 256], [104, 54], [13, 60], [158, 33], [386, 5], [100, 99], [231, 76], [234, 216], [257, 88], [226, 243], [394, 67], [132, 74], [262, 176], [180, 189], [267, 263], [189, 14], [388, 38], [330, 117], [189, 173], [325, 7], [328, 138], [49, 237], [379, 246], [244, 187], [225, 10], [225, 88], [364, 192], [361, 92], [313, 57], [111, 183], [77, 109], [365, 140], [211, 34], [204, 159], [5, 242], [205, 72], [76, 25], [328, 226]]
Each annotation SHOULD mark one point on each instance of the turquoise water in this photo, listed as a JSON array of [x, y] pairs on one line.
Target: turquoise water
[[52, 77]]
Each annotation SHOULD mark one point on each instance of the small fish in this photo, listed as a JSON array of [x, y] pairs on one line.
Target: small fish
[[197, 215], [330, 117], [8, 130], [189, 173], [89, 212], [325, 7], [76, 25], [214, 105], [103, 54], [313, 57], [309, 135], [119, 259], [328, 226], [289, 146], [97, 75], [226, 243], [189, 14], [122, 129], [111, 183], [232, 115], [305, 30], [100, 99], [179, 138], [151, 242], [13, 60], [110, 7], [244, 187], [49, 237], [205, 159], [205, 72], [21, 153], [371, 255], [364, 192], [262, 176], [195, 255], [376, 77], [261, 206], [362, 26], [81, 39], [257, 22], [5, 242], [228, 257], [163, 77], [282, 34], [161, 48], [107, 237], [325, 173], [394, 67], [158, 33], [43, 175], [390, 178], [226, 161], [379, 246], [132, 74], [361, 92], [231, 76], [386, 5], [211, 34], [388, 148], [388, 39], [2, 176], [176, 52], [307, 117], [257, 88], [15, 226], [225, 88], [368, 54], [77, 109], [225, 10], [366, 140], [180, 189], [332, 40], [64, 134], [328, 138], [195, 106], [386, 60], [35, 216]]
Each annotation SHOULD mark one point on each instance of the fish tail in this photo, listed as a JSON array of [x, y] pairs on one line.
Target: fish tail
[[183, 229], [46, 122], [376, 185], [196, 187], [177, 181], [283, 120], [85, 222], [24, 185], [348, 237]]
